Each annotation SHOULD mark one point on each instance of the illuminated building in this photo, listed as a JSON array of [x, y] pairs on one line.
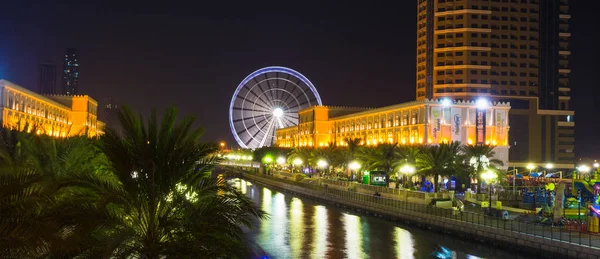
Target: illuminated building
[[70, 72], [508, 51], [54, 115], [418, 122]]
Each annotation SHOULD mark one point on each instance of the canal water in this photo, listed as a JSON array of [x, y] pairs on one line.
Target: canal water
[[302, 228]]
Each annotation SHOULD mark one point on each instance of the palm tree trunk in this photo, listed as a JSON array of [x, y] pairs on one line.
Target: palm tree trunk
[[435, 182]]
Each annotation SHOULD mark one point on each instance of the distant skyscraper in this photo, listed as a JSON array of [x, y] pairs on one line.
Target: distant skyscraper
[[47, 78], [70, 72]]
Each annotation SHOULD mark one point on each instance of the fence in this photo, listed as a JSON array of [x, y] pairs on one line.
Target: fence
[[399, 207]]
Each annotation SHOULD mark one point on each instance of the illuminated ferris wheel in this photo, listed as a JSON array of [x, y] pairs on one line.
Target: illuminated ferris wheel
[[266, 100]]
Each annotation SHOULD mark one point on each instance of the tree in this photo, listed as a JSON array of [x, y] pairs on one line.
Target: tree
[[383, 157], [48, 199], [168, 204], [480, 158], [438, 160]]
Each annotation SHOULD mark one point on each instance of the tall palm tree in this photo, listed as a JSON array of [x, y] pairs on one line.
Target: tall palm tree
[[480, 158], [438, 160], [169, 205], [383, 157]]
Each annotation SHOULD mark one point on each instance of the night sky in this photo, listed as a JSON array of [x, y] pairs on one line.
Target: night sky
[[194, 55]]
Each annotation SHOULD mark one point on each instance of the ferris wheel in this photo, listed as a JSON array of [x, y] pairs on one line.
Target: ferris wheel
[[266, 100]]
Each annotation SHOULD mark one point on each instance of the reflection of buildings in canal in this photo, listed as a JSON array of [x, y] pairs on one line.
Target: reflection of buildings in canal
[[405, 247], [320, 232], [296, 231], [354, 236]]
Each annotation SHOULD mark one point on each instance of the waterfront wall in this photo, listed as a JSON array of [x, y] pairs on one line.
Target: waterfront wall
[[545, 241]]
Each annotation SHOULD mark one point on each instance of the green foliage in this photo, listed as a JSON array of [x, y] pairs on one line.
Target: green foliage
[[144, 192]]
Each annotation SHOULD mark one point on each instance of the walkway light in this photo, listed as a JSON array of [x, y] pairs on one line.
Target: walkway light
[[281, 160], [584, 168], [268, 159], [407, 169], [549, 166], [322, 163], [297, 161], [530, 167], [596, 165], [354, 165]]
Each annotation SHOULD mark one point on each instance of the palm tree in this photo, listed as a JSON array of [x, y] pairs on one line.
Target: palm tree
[[480, 158], [48, 205], [438, 160], [168, 205], [383, 157]]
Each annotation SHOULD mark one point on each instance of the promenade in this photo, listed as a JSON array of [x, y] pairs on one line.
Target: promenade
[[549, 241]]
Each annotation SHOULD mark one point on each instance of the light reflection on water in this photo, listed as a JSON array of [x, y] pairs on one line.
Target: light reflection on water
[[302, 228]]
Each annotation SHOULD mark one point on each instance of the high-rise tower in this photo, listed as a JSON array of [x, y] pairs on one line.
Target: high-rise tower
[[70, 72], [509, 50], [47, 77]]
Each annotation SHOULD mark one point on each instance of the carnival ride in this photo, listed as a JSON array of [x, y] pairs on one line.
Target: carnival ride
[[268, 99]]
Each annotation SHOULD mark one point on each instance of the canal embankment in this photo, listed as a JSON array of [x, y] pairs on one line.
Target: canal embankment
[[532, 238]]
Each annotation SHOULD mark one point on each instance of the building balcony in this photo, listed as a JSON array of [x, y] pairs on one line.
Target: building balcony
[[463, 11], [564, 98], [564, 34], [461, 67], [564, 70], [462, 48], [566, 124], [462, 85], [564, 16], [462, 30], [564, 89], [564, 52]]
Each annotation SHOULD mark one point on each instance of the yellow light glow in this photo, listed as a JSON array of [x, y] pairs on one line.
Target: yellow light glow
[[354, 236], [405, 245], [470, 142]]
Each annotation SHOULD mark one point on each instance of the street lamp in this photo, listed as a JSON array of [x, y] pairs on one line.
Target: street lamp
[[407, 170], [281, 160], [488, 176], [322, 164], [530, 167], [353, 167], [297, 162], [222, 144], [584, 168], [596, 165]]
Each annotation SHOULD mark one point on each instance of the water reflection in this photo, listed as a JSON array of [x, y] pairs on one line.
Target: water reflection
[[296, 226], [320, 232], [405, 247], [301, 228]]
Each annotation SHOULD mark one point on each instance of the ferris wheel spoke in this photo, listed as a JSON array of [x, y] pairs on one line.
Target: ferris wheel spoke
[[263, 92], [280, 123], [251, 127], [262, 142], [249, 118], [269, 87], [266, 104]]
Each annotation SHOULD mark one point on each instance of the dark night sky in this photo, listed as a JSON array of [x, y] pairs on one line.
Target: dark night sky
[[194, 55]]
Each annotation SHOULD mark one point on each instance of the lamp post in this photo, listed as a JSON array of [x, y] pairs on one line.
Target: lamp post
[[268, 160], [488, 176], [353, 167], [530, 167], [322, 164], [407, 170], [297, 162]]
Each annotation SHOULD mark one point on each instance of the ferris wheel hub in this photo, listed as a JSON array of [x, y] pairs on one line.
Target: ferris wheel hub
[[277, 112]]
